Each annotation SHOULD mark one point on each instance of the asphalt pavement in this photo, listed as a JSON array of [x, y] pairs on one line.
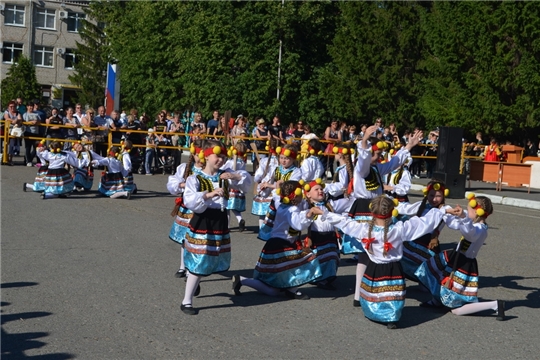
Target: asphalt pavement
[[89, 277]]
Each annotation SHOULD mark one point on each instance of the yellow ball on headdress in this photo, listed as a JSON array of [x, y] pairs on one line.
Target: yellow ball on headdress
[[266, 148], [192, 149], [396, 202], [446, 192], [392, 151], [298, 192], [229, 153], [335, 149], [278, 149], [381, 145], [424, 191], [287, 152], [395, 213], [345, 151], [307, 187], [285, 200], [472, 203], [480, 212], [320, 152], [470, 196], [312, 152], [235, 152], [216, 150], [267, 142], [278, 191], [318, 180], [301, 182], [352, 151], [436, 186]]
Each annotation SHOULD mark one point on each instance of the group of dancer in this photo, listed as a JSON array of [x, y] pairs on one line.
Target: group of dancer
[[307, 224], [54, 179]]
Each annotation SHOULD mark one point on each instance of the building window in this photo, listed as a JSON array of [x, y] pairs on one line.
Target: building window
[[14, 15], [70, 59], [43, 56], [11, 52], [74, 21], [46, 19]]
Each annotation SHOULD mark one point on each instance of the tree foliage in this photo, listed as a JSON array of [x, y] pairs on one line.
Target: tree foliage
[[92, 56], [415, 63], [20, 81]]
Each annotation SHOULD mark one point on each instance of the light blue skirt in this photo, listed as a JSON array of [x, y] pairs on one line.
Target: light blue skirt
[[180, 225], [260, 206], [81, 178], [58, 182], [237, 201], [39, 181], [111, 183]]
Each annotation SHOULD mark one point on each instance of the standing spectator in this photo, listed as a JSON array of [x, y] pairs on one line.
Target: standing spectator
[[21, 108], [42, 117], [363, 128], [212, 123], [351, 135], [530, 149], [151, 144], [299, 131], [380, 126], [54, 132], [219, 131], [103, 122], [32, 130], [308, 135], [132, 124], [88, 122], [198, 123], [276, 130], [431, 151], [71, 131], [115, 125], [333, 136], [14, 119], [479, 148], [416, 165], [238, 129], [493, 151]]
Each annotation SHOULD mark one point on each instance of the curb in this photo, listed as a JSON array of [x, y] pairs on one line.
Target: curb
[[497, 200]]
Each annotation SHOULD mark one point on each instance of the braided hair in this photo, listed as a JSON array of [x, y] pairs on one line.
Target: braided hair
[[425, 199], [381, 205]]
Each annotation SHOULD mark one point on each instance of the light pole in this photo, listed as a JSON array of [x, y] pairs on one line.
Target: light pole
[[279, 60]]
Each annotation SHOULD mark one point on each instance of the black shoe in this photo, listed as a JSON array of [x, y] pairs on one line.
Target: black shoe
[[197, 290], [135, 191], [356, 303], [430, 304], [180, 273], [391, 326], [24, 187], [296, 295], [128, 196], [236, 285], [500, 310], [188, 309], [326, 285], [242, 225], [42, 196]]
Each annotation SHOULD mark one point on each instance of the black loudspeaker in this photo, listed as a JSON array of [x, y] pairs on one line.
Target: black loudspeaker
[[449, 150], [454, 183]]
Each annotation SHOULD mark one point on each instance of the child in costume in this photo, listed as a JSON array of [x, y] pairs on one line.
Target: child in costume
[[237, 198], [208, 243], [343, 175], [112, 180], [83, 177], [399, 181], [287, 170], [285, 263], [311, 167], [176, 186], [420, 249], [264, 174], [58, 181], [452, 275], [382, 286], [39, 181], [322, 236], [368, 184], [125, 158]]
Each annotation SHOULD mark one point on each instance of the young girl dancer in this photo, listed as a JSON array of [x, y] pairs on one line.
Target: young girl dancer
[[344, 172], [383, 284], [83, 177], [399, 182], [208, 243], [125, 158], [284, 263], [237, 198], [311, 167], [265, 175], [452, 275], [181, 214], [39, 181], [420, 249], [322, 235], [367, 185], [287, 170], [58, 181], [112, 180]]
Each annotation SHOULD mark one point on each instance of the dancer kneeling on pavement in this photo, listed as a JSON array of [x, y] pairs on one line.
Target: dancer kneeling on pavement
[[39, 181], [58, 181], [452, 276], [112, 180], [208, 242], [181, 214], [382, 289], [83, 177], [285, 262], [125, 158], [237, 198]]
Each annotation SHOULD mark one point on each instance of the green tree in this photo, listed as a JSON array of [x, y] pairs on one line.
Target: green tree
[[20, 81], [92, 57]]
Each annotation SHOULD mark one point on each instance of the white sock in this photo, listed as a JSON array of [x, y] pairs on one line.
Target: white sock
[[259, 286], [360, 269], [30, 186], [475, 307], [191, 286], [119, 194], [238, 215], [261, 221], [182, 265]]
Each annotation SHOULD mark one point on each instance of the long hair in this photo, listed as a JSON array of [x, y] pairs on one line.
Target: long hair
[[425, 199], [381, 205]]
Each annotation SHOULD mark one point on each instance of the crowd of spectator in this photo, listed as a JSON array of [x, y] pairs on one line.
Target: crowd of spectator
[[89, 125]]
